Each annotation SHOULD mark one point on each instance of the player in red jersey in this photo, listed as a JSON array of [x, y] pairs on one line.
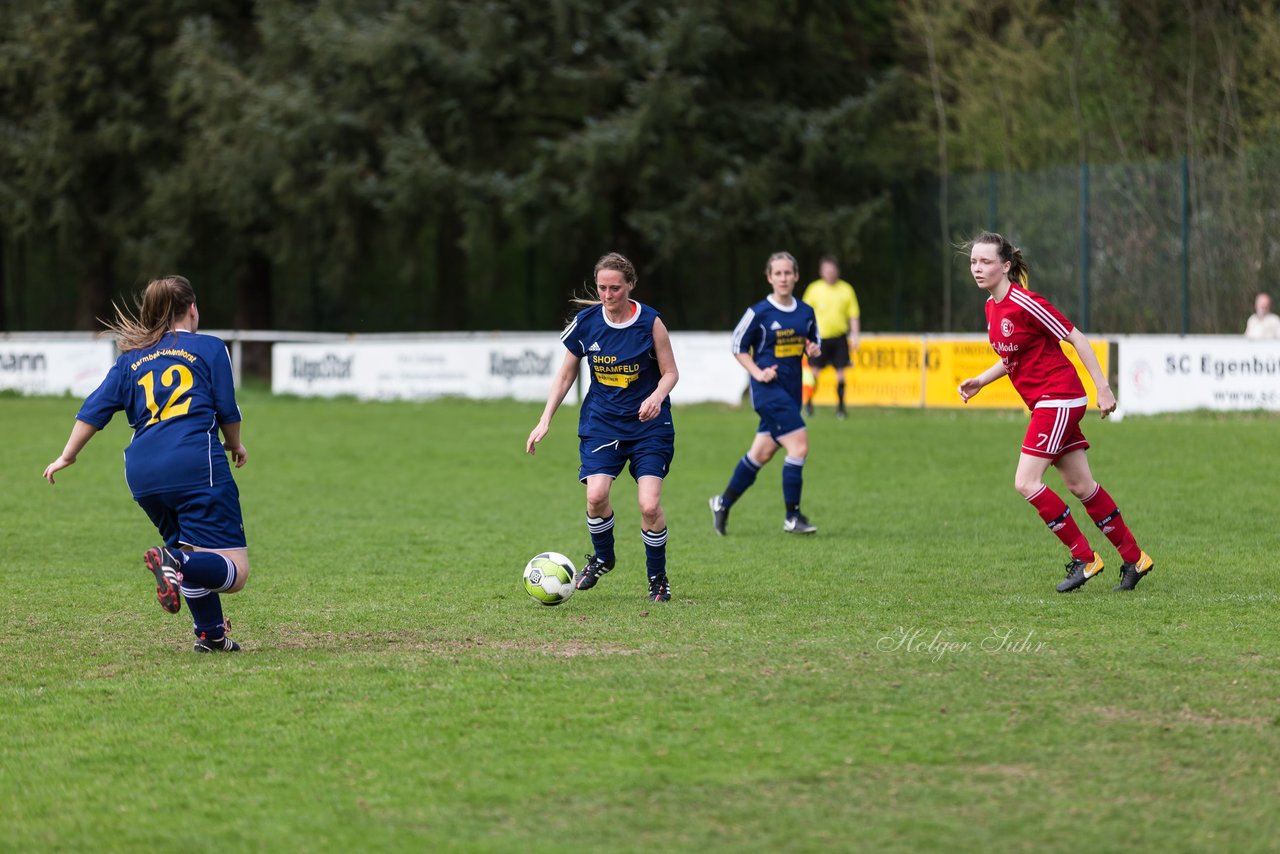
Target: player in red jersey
[[1024, 330]]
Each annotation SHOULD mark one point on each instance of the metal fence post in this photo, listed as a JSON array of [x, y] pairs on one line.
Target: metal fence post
[[1084, 246], [1186, 247]]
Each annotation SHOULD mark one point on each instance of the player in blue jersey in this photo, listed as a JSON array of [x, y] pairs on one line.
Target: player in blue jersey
[[770, 341], [176, 388], [625, 420]]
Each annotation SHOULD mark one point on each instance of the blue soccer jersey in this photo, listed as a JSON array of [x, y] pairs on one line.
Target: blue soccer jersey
[[623, 368], [775, 335], [175, 395]]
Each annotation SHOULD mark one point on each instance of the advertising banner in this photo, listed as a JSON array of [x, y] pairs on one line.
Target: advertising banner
[[512, 366], [950, 361], [1175, 374], [32, 366], [886, 371]]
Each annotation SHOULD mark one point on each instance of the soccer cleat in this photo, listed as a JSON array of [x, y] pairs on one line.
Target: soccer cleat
[[222, 644], [1080, 571], [659, 589], [1132, 573], [590, 573], [798, 523], [841, 414], [166, 567], [719, 514]]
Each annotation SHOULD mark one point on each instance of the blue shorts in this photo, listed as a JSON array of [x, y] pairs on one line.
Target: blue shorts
[[650, 456], [205, 517], [779, 419]]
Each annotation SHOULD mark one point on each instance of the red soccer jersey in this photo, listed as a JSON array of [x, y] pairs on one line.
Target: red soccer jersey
[[1024, 329]]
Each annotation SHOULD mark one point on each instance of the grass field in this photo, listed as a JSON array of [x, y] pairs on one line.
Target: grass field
[[907, 679]]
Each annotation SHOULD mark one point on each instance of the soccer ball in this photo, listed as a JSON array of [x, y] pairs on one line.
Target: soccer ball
[[548, 577]]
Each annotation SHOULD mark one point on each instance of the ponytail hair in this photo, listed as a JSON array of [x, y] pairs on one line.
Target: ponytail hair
[[161, 303], [615, 261], [1019, 270]]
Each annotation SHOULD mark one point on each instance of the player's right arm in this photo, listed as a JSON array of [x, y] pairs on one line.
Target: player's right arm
[[760, 375], [560, 385], [973, 385], [80, 436]]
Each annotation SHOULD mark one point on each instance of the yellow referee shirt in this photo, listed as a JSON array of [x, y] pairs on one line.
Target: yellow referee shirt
[[835, 305]]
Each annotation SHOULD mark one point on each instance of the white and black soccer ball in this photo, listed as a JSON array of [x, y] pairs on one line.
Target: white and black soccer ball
[[548, 578]]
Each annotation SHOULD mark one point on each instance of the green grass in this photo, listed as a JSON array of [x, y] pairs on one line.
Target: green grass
[[399, 691]]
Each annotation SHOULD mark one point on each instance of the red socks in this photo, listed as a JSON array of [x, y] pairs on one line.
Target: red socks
[[1104, 513], [1057, 516]]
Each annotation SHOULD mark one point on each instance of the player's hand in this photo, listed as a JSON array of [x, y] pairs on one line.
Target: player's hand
[[969, 388], [238, 453], [537, 435], [650, 408], [1106, 401], [57, 465], [813, 349], [768, 375], [854, 342]]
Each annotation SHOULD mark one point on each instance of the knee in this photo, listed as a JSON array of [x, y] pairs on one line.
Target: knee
[[650, 509], [799, 450], [597, 503], [242, 574], [1081, 489], [1027, 486]]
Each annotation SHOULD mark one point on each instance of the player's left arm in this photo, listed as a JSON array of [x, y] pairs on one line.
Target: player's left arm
[[813, 340], [1106, 398], [652, 405], [855, 321]]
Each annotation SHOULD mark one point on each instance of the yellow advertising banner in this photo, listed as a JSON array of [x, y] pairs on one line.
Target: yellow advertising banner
[[951, 361], [925, 371], [887, 371]]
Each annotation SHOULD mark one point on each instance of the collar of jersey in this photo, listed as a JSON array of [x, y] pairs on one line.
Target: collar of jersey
[[635, 315], [795, 303]]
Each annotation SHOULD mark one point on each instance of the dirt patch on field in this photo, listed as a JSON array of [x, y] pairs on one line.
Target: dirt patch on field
[[416, 642], [1179, 717]]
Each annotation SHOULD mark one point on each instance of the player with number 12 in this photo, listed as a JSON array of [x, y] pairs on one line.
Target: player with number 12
[[177, 390]]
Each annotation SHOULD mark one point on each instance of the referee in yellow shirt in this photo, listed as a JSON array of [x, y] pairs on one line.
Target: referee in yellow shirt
[[836, 306]]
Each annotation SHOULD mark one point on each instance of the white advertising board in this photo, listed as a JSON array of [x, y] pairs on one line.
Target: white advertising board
[[489, 366], [1175, 374], [32, 366]]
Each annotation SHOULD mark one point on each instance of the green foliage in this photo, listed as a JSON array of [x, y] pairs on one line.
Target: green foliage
[[398, 690]]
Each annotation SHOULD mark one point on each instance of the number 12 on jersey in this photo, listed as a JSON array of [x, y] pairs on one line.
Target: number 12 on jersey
[[175, 377]]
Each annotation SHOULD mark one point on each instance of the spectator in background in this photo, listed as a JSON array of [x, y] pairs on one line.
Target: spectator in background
[[836, 306], [1262, 323]]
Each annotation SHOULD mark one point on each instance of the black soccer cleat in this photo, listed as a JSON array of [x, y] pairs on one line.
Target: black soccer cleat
[[167, 569], [1080, 571], [659, 589], [222, 644], [1132, 573], [719, 514], [590, 573], [798, 523]]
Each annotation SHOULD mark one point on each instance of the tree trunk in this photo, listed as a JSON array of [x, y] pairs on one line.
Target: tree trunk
[[451, 297], [253, 310], [93, 301]]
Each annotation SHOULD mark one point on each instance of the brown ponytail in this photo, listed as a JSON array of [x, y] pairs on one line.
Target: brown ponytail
[[161, 303]]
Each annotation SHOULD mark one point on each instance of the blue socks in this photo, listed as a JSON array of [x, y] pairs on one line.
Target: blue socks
[[744, 474], [204, 575], [792, 483], [602, 537], [655, 552]]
